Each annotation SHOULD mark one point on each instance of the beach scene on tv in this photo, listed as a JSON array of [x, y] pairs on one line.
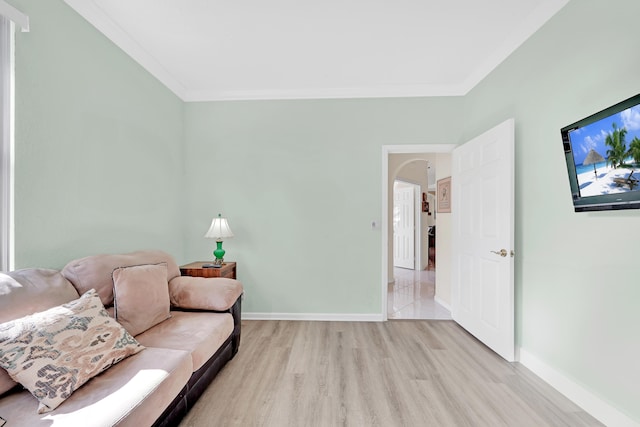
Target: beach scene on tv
[[607, 154]]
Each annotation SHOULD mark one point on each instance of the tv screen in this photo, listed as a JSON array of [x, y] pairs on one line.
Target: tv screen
[[602, 152]]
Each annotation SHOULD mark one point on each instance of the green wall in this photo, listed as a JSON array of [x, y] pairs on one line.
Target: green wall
[[300, 182], [576, 273], [98, 145]]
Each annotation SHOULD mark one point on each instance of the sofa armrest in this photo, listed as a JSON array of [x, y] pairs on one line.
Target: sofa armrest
[[204, 293]]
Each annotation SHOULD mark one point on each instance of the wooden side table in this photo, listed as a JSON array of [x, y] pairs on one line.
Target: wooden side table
[[196, 269]]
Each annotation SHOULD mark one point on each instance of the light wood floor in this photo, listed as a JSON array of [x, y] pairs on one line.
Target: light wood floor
[[396, 373]]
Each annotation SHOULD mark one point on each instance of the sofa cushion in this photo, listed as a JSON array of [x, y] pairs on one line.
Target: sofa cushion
[[200, 333], [134, 393], [32, 290], [29, 291], [204, 293], [54, 352], [94, 272], [141, 296]]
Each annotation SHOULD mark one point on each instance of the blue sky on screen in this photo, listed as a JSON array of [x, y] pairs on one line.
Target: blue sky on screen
[[594, 135]]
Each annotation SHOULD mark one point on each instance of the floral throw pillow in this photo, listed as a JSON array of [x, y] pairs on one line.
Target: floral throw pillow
[[54, 352]]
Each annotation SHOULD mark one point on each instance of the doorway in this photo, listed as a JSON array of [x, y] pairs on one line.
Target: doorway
[[494, 150], [410, 288]]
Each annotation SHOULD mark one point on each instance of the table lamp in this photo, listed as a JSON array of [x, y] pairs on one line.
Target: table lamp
[[220, 231]]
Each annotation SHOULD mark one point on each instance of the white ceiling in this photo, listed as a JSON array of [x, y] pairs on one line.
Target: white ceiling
[[286, 49]]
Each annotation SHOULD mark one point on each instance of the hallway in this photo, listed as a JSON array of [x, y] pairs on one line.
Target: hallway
[[411, 296]]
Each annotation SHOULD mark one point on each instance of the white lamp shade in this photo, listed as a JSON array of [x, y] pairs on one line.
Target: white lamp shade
[[219, 229]]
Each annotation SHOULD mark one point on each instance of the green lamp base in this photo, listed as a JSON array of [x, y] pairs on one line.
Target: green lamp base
[[219, 253]]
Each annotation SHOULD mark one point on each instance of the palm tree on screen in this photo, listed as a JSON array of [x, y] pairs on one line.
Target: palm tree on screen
[[618, 151], [634, 149]]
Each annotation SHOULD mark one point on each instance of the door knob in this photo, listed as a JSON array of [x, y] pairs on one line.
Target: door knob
[[503, 253]]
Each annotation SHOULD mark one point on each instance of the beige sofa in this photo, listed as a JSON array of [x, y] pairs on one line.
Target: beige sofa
[[176, 338]]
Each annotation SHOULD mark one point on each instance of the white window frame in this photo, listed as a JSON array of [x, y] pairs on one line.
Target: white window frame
[[10, 17], [6, 144]]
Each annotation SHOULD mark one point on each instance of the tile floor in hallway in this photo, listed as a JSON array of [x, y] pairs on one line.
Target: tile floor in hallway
[[411, 296]]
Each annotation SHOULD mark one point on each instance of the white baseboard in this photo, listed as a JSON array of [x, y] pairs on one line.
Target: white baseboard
[[594, 405], [333, 317]]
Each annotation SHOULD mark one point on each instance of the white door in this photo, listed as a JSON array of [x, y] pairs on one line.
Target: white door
[[403, 226], [483, 228]]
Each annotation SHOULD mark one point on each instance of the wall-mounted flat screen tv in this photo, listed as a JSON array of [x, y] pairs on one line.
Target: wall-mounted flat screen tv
[[603, 158]]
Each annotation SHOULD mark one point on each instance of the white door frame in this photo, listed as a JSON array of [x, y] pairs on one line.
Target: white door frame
[[386, 151]]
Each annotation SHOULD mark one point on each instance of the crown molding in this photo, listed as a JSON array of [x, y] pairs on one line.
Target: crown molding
[[93, 14], [528, 28], [396, 91]]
